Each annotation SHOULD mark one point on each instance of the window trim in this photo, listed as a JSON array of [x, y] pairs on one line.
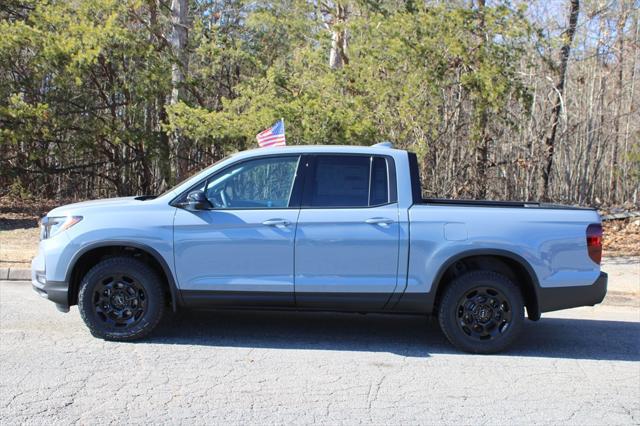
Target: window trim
[[371, 179], [310, 170], [294, 199]]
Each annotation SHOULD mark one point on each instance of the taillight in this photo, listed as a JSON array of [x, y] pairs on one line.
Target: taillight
[[594, 242]]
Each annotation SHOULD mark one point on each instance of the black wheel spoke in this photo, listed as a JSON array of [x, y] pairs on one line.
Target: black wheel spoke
[[483, 313], [119, 300]]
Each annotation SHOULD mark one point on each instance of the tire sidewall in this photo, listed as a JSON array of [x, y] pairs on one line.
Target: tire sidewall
[[447, 313], [140, 272]]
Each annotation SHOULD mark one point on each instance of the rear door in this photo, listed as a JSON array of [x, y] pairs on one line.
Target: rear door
[[347, 239], [241, 251]]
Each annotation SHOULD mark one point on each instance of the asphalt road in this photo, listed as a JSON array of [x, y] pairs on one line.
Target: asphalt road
[[577, 367]]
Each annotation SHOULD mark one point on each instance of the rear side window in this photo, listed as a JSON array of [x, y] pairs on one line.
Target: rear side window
[[347, 181]]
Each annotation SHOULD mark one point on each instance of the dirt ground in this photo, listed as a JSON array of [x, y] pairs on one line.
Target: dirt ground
[[622, 237], [19, 232]]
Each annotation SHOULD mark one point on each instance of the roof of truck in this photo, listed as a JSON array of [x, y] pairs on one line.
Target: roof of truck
[[355, 149]]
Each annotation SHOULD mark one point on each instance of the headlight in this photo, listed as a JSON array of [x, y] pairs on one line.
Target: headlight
[[51, 226]]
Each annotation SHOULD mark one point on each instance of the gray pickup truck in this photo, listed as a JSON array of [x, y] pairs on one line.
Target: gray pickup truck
[[319, 228]]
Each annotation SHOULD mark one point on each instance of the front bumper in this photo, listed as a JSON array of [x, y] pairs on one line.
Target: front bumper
[[47, 278], [556, 298], [55, 291]]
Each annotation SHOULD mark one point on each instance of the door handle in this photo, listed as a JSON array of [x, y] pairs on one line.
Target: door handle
[[382, 221], [276, 222]]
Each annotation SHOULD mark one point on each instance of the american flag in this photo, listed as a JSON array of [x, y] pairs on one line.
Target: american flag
[[273, 136]]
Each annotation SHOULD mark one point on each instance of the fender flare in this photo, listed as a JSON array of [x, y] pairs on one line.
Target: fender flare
[[175, 294], [534, 313]]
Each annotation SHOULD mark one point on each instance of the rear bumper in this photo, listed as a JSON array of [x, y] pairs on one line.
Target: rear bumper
[[554, 299]]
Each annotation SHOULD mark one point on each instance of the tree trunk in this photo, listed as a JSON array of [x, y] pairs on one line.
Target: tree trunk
[[614, 178], [158, 114], [339, 38], [480, 137], [574, 10], [179, 68], [632, 193], [146, 147]]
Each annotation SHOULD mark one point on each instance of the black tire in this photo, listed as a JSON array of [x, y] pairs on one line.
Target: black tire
[[121, 299], [481, 312]]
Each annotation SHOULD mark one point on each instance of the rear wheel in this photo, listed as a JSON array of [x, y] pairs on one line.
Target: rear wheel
[[481, 312], [121, 299]]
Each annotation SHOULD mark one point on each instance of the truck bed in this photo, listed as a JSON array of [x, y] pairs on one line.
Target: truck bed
[[416, 192]]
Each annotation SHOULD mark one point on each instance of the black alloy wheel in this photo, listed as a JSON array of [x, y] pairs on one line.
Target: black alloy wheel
[[121, 299], [481, 312], [484, 313]]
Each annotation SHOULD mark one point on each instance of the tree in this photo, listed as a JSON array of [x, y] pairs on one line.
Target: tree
[[179, 69], [550, 141]]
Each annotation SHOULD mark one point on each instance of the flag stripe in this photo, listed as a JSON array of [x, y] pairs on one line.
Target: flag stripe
[[274, 144], [272, 141], [273, 136]]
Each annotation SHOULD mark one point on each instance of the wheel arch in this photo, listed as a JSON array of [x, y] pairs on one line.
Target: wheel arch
[[84, 259], [508, 263]]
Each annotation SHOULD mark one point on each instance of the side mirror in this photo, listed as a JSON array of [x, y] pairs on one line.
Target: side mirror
[[196, 200]]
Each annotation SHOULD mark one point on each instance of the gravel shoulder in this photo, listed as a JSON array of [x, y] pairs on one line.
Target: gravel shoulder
[[579, 366], [624, 280]]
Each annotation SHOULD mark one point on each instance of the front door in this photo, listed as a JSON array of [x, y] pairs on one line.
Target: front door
[[241, 251], [347, 241]]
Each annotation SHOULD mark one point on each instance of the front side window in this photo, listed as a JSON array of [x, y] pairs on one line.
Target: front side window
[[347, 181], [260, 183]]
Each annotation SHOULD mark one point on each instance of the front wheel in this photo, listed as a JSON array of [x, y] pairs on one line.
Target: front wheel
[[121, 299], [481, 312]]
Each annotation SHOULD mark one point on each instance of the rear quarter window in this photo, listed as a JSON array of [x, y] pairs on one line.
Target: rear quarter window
[[347, 181]]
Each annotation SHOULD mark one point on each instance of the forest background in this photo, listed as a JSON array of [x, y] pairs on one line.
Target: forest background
[[526, 100]]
